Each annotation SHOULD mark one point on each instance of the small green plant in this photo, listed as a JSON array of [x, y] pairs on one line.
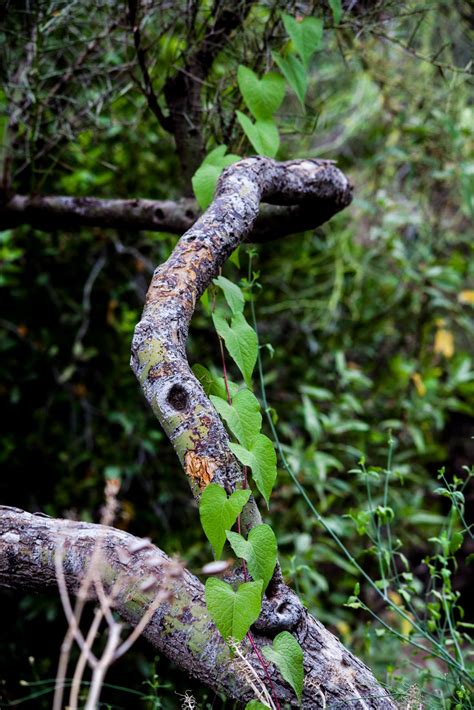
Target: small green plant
[[234, 610], [263, 97]]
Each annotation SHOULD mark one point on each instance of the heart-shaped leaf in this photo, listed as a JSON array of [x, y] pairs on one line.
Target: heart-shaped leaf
[[263, 134], [233, 294], [259, 551], [214, 385], [261, 458], [243, 418], [241, 342], [233, 612], [205, 178], [218, 513], [287, 655], [294, 72], [306, 35], [262, 96]]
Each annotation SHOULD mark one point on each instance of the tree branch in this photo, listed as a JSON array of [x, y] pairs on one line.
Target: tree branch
[[159, 344], [180, 627], [147, 87], [53, 212]]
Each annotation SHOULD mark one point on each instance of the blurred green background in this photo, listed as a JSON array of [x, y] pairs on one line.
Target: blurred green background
[[369, 318]]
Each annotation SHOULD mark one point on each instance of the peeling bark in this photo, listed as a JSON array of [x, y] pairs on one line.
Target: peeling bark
[[180, 628], [52, 212]]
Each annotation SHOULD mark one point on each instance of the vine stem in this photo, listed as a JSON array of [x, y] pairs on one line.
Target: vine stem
[[244, 564]]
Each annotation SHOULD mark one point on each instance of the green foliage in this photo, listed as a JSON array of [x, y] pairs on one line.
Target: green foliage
[[218, 513], [262, 96], [294, 72], [263, 134], [240, 341], [233, 612], [205, 178], [242, 417], [233, 294], [336, 7], [259, 551], [286, 654], [306, 35], [261, 458], [370, 319]]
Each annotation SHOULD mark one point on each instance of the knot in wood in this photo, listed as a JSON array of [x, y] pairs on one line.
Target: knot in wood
[[178, 398]]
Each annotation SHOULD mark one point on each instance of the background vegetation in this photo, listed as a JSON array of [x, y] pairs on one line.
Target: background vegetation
[[366, 326]]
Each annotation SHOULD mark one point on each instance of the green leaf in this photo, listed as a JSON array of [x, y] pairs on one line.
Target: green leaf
[[243, 418], [305, 34], [456, 542], [233, 294], [205, 178], [259, 551], [287, 655], [256, 705], [241, 342], [336, 7], [204, 183], [218, 513], [215, 156], [263, 134], [294, 73], [214, 385], [233, 612], [262, 96], [261, 458], [234, 258]]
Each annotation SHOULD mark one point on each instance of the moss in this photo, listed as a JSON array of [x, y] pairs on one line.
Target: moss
[[185, 442], [148, 356]]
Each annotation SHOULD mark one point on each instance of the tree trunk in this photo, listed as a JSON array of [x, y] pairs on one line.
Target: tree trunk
[[180, 628]]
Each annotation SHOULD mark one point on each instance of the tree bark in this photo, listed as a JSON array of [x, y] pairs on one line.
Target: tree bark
[[52, 212], [159, 345], [180, 628]]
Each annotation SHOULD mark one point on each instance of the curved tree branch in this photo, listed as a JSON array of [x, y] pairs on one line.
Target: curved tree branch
[[52, 212], [159, 345], [180, 627]]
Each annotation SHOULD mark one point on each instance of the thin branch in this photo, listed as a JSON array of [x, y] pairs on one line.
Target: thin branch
[[50, 213], [147, 87]]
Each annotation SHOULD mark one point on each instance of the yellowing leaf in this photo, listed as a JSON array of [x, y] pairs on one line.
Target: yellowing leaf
[[395, 598], [419, 384], [466, 296], [444, 343], [406, 626]]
